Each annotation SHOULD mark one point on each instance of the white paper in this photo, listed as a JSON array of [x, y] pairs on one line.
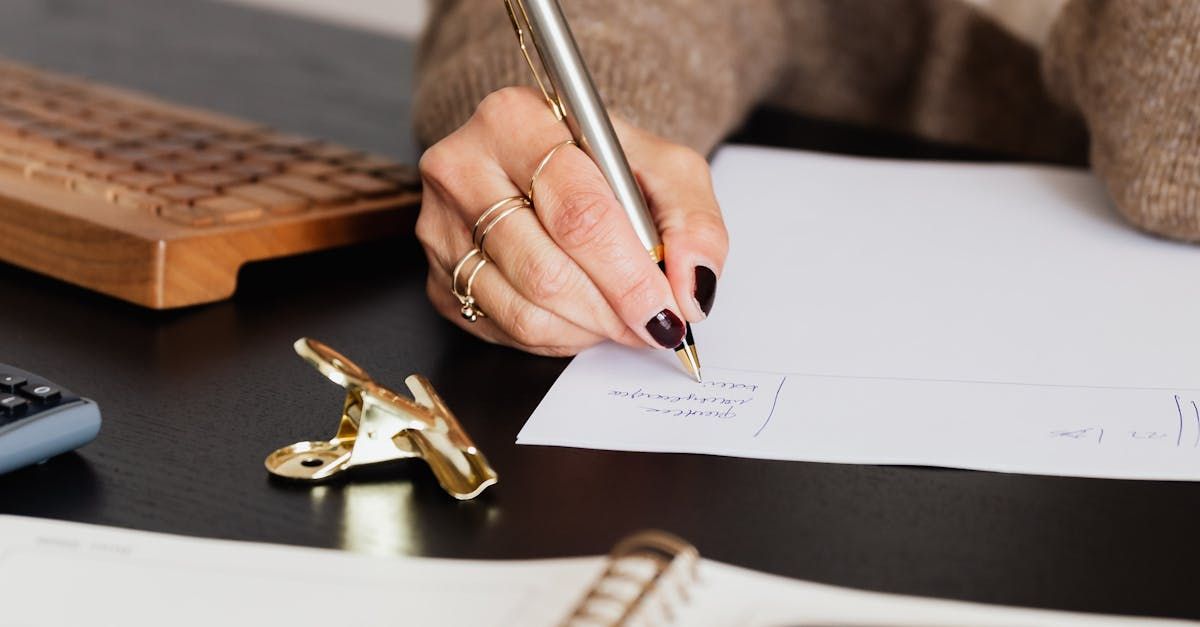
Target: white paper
[[58, 574], [994, 317]]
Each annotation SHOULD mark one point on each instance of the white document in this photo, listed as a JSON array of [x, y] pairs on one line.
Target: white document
[[57, 574], [993, 317]]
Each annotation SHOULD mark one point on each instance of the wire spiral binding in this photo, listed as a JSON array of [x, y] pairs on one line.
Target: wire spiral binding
[[646, 583]]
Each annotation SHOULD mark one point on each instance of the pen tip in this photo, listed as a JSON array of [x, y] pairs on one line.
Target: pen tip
[[689, 359]]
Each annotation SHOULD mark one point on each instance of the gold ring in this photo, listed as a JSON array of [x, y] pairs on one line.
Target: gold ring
[[470, 309], [491, 225], [542, 164], [497, 206]]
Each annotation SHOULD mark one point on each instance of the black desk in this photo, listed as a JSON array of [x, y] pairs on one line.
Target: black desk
[[193, 400]]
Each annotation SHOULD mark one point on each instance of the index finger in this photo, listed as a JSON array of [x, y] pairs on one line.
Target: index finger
[[581, 214]]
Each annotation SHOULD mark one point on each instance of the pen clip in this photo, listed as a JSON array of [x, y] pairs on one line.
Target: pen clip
[[515, 8]]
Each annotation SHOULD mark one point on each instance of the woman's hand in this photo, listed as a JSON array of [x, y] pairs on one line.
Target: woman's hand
[[569, 273]]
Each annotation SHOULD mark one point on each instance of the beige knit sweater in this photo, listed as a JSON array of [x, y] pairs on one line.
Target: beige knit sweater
[[1126, 73]]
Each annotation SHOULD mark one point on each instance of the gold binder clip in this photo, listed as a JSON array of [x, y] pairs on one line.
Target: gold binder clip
[[520, 23], [379, 425]]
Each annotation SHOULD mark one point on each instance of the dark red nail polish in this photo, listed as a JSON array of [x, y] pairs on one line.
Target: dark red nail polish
[[666, 328], [706, 288]]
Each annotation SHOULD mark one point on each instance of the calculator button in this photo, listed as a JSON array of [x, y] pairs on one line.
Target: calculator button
[[41, 393], [10, 382], [12, 405]]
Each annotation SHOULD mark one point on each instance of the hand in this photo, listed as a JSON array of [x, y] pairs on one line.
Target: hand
[[571, 272]]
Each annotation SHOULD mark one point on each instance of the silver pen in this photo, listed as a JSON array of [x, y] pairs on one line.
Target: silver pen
[[573, 98]]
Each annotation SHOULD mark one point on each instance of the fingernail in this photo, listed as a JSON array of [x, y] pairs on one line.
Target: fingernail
[[666, 329], [706, 288]]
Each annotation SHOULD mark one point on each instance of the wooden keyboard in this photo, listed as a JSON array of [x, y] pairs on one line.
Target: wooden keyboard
[[159, 204]]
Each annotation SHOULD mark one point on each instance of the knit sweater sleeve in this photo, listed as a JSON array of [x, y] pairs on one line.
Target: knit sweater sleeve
[[688, 70]]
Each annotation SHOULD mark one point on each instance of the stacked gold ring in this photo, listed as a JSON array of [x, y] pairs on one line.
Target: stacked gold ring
[[484, 224], [482, 242], [542, 164], [470, 308], [492, 216]]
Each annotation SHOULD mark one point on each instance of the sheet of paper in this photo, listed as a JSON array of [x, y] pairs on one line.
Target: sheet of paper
[[994, 317], [58, 574]]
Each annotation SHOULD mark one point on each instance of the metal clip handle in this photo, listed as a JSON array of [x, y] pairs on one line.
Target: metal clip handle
[[379, 425]]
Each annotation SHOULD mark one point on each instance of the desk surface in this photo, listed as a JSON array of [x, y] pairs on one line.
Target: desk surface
[[193, 400]]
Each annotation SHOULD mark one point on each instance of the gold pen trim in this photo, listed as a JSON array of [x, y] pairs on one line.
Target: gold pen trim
[[552, 100], [690, 360]]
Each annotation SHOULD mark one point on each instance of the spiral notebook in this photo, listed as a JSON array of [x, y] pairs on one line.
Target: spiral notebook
[[116, 577]]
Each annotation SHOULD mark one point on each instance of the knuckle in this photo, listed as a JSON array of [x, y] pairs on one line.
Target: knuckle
[[497, 109], [638, 294], [439, 164], [431, 234], [582, 218], [531, 326], [425, 228], [628, 337], [685, 160], [708, 227], [545, 278]]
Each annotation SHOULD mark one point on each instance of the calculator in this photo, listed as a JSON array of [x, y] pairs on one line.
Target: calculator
[[40, 419]]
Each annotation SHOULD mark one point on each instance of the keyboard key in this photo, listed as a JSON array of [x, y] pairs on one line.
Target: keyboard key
[[214, 179], [46, 132], [236, 146], [187, 216], [369, 163], [96, 188], [10, 382], [145, 134], [363, 184], [99, 169], [13, 163], [13, 123], [273, 199], [89, 146], [313, 168], [46, 153], [316, 191], [144, 181], [132, 155], [276, 160], [331, 152], [50, 175], [231, 210], [170, 144], [223, 123], [12, 406], [279, 142], [197, 136], [213, 158], [250, 170], [14, 145], [133, 200], [185, 194], [42, 393], [169, 166]]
